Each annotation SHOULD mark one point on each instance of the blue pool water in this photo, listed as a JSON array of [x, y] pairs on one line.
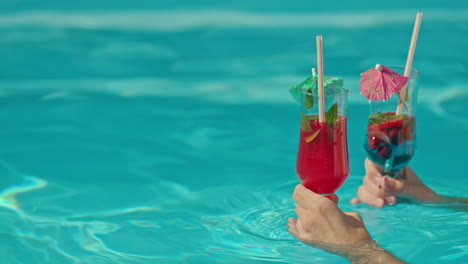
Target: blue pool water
[[160, 132]]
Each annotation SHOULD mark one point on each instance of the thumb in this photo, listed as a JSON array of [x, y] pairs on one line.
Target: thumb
[[393, 186], [416, 191]]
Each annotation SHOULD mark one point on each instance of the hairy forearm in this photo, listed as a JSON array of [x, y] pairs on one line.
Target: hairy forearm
[[372, 254], [454, 203], [367, 252], [427, 195], [453, 200], [374, 257]]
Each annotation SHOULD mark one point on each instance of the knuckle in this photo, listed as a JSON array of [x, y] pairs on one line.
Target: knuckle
[[307, 226], [364, 179], [296, 192], [381, 193], [314, 206], [368, 181], [302, 236], [361, 191], [297, 210], [355, 215], [320, 206]]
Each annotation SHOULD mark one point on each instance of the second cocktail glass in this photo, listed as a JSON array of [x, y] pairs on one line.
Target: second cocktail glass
[[390, 138]]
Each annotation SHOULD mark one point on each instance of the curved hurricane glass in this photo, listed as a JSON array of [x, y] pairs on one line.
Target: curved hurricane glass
[[322, 158], [390, 139]]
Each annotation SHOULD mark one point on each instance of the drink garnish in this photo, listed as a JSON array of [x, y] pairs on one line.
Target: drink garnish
[[373, 132], [384, 151], [312, 117], [309, 99], [305, 124], [332, 114], [312, 137]]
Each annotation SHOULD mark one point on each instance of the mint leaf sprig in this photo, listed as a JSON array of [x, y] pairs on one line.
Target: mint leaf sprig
[[331, 116], [305, 124], [308, 99], [379, 118]]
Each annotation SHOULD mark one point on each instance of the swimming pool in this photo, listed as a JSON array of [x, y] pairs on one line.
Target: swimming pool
[[159, 133]]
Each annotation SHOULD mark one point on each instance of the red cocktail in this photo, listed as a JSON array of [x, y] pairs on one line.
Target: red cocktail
[[322, 160]]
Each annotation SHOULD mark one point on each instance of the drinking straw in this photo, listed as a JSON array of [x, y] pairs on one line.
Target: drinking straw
[[321, 101], [409, 59]]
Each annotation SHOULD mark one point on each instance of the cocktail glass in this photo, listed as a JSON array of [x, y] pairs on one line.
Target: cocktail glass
[[390, 140], [322, 158]]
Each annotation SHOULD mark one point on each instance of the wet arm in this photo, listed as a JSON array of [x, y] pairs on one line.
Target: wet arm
[[374, 255], [432, 197]]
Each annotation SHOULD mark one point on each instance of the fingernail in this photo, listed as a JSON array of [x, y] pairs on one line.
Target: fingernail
[[379, 203], [391, 200]]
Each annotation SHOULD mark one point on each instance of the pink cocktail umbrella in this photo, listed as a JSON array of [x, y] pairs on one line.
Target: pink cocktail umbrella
[[380, 83]]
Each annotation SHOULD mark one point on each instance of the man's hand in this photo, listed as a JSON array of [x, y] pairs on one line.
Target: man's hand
[[378, 190], [323, 225], [320, 221]]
